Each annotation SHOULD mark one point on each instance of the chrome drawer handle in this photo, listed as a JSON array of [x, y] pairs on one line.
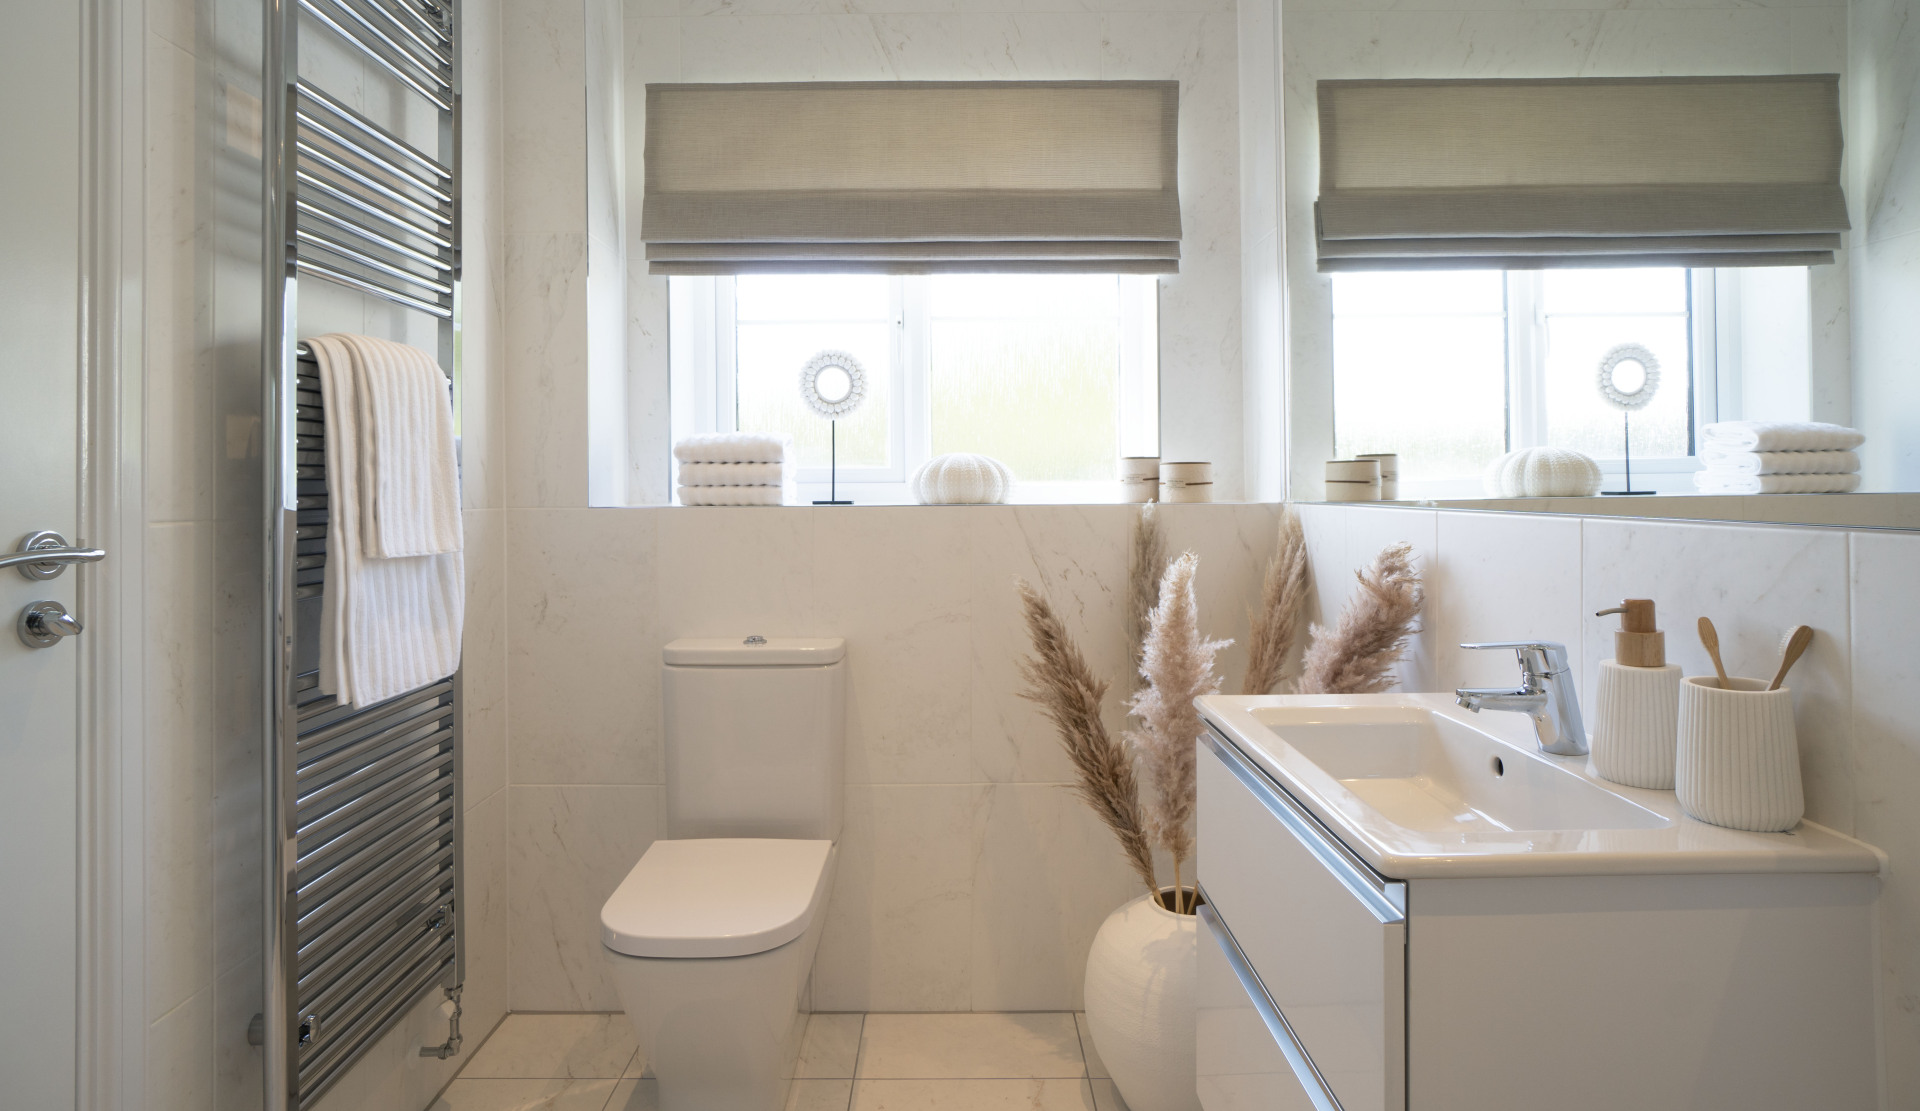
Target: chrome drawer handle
[[44, 555]]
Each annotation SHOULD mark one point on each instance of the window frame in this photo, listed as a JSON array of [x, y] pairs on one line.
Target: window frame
[[703, 361], [1526, 392]]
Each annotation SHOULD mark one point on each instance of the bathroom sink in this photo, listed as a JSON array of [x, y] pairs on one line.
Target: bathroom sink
[[1424, 771], [1416, 786]]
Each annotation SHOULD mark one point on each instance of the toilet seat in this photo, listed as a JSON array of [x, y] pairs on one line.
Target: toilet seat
[[716, 897]]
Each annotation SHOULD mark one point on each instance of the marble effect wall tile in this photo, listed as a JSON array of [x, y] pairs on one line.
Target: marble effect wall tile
[[483, 655], [569, 847], [1506, 577], [583, 687], [546, 397]]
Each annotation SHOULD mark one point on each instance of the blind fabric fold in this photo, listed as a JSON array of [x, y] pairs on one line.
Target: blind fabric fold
[[1520, 174], [912, 177]]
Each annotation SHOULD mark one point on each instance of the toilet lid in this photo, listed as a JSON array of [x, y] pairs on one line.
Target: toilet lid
[[721, 897]]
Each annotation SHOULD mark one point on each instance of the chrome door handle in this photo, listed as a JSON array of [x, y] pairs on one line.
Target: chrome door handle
[[43, 555], [42, 624]]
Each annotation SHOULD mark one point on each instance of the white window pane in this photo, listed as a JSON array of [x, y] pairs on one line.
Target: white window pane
[[1420, 369], [770, 358], [812, 297], [1419, 293], [1614, 291], [1577, 416], [1026, 369]]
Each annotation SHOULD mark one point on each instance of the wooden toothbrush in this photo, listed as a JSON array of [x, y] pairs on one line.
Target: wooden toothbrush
[[1711, 639], [1791, 645]]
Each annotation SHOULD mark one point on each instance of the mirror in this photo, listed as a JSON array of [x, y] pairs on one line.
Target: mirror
[[1450, 369], [833, 384]]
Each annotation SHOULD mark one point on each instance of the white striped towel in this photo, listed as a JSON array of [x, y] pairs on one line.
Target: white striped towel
[[732, 495], [1709, 482], [732, 447], [387, 625], [1759, 435], [733, 474], [1779, 462], [409, 482]]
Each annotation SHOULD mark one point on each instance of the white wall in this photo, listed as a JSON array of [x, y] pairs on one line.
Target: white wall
[[937, 40], [1884, 197], [1495, 576], [1262, 253], [1328, 39], [970, 876], [201, 491]]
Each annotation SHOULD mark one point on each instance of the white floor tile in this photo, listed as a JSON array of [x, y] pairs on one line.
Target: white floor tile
[[973, 1046], [568, 1046], [820, 1095], [525, 1095], [831, 1047], [1106, 1097], [972, 1095], [1095, 1066]]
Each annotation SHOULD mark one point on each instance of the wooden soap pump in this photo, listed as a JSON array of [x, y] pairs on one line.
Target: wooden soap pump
[[1637, 643]]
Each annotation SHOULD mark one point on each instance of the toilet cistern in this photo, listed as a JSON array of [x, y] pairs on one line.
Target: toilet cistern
[[1545, 694]]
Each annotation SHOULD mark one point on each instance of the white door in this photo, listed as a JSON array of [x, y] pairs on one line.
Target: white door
[[40, 186]]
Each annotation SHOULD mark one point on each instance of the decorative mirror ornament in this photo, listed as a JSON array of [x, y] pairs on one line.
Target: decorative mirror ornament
[[1611, 386], [833, 384], [1616, 373]]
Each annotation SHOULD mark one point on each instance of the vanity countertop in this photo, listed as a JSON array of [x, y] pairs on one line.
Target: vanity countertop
[[1660, 839]]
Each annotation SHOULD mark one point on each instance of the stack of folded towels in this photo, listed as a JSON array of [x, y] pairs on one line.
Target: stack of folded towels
[[735, 468], [1779, 457]]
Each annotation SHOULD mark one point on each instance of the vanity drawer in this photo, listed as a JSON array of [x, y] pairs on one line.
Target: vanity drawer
[[1248, 1060], [1323, 934]]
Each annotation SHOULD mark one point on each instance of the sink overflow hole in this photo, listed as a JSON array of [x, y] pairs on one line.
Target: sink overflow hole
[[1499, 768]]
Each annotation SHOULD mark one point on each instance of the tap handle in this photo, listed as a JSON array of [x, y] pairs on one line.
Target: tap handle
[[1539, 657]]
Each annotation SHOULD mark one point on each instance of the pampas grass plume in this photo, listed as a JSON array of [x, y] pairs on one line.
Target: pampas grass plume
[[1283, 596], [1063, 686], [1178, 665], [1146, 563], [1356, 655]]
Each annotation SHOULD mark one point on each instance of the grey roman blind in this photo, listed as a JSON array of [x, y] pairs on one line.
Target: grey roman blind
[[912, 177], [1521, 174]]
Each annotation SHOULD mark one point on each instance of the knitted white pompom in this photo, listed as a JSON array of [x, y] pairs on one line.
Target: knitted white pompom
[[1543, 472], [962, 479]]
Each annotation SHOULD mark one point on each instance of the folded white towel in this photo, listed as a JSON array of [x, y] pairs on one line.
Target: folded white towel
[[732, 447], [387, 625], [1708, 482], [1759, 435], [733, 474], [409, 482], [1779, 462], [732, 495]]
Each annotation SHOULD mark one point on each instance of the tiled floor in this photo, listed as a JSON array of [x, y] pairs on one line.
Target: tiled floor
[[881, 1062]]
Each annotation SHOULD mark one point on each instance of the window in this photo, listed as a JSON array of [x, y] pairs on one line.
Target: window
[[1450, 369], [1054, 375]]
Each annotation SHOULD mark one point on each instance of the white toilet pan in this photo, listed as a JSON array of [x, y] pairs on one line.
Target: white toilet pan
[[711, 944]]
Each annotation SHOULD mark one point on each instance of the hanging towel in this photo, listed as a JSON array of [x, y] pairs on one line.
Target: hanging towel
[[1779, 462], [732, 495], [733, 474], [1709, 482], [1756, 435], [410, 489], [388, 625], [732, 447]]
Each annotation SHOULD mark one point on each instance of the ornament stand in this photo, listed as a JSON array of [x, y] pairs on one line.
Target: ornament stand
[[833, 467], [1626, 420]]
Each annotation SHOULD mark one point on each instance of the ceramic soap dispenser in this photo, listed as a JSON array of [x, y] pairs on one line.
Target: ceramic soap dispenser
[[1637, 705]]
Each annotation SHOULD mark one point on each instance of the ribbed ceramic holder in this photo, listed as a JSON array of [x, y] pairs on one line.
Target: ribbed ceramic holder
[[1389, 473], [1636, 724], [1139, 490], [1140, 468], [1739, 760]]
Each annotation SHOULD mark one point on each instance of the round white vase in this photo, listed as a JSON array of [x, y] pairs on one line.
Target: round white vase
[[1140, 1004]]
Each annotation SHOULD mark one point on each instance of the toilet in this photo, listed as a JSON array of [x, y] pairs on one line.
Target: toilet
[[711, 936]]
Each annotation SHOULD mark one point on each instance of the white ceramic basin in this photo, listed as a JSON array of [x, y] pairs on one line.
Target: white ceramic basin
[[1424, 771], [1417, 786]]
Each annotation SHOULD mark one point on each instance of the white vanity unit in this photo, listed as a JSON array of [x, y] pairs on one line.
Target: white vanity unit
[[1410, 907]]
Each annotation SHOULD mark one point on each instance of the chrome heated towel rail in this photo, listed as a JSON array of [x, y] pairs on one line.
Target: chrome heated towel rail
[[363, 806]]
